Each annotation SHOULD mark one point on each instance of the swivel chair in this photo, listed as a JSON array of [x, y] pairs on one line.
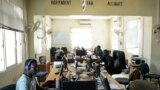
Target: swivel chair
[[119, 61], [42, 73], [126, 81], [9, 87], [145, 72], [42, 59]]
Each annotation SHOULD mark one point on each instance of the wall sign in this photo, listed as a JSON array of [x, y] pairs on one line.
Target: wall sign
[[114, 3], [90, 3], [61, 2]]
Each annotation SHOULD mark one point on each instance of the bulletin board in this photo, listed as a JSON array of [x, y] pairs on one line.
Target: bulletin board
[[61, 38]]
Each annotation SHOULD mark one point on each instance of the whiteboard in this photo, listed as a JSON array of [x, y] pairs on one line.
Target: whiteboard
[[61, 38]]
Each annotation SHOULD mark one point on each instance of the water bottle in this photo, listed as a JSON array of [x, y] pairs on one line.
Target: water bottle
[[57, 84]]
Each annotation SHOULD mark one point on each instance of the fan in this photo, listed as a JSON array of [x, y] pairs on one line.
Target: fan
[[156, 30], [35, 26]]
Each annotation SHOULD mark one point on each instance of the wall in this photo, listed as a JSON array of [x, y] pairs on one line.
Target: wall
[[129, 8], [155, 47], [13, 73], [99, 29], [146, 53]]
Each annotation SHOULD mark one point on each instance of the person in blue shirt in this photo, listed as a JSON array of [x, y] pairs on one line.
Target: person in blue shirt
[[28, 81], [98, 51]]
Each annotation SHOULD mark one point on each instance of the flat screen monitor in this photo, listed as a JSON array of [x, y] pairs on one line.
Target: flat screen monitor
[[80, 53], [105, 82], [79, 85], [57, 64]]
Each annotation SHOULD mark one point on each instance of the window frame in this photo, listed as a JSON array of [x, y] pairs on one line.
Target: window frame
[[140, 36], [15, 48]]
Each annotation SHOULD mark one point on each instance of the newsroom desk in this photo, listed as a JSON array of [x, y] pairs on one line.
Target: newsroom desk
[[113, 83]]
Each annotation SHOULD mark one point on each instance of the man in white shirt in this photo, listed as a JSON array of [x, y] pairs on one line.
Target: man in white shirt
[[28, 81]]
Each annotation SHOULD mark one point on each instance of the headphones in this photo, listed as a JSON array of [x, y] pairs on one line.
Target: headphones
[[28, 65]]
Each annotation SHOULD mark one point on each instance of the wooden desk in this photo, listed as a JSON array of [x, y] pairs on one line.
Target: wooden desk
[[52, 76], [112, 82]]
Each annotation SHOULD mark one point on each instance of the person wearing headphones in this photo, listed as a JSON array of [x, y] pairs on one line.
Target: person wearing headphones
[[28, 81]]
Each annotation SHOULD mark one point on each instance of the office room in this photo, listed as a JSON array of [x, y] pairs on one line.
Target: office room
[[37, 25]]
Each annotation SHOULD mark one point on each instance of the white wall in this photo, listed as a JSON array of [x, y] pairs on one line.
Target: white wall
[[147, 38], [99, 29]]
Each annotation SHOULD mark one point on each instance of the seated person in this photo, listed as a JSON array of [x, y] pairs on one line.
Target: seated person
[[61, 57], [108, 61], [28, 81], [84, 52], [98, 51]]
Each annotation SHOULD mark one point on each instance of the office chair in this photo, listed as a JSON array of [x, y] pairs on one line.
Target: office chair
[[121, 57], [132, 76], [143, 85], [42, 73], [9, 87], [42, 59], [119, 62], [145, 72]]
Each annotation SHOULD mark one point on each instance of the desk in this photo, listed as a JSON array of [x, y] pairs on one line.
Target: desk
[[112, 82], [52, 76]]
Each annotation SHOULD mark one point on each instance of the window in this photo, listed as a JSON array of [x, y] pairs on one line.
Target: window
[[115, 40], [10, 44], [10, 48], [2, 66], [19, 39], [81, 37], [48, 41], [133, 36]]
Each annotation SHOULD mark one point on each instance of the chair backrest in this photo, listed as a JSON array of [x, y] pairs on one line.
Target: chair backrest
[[9, 87], [144, 68], [135, 74], [42, 59], [121, 57], [143, 85]]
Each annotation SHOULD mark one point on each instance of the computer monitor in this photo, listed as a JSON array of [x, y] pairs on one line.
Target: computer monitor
[[105, 82], [79, 85], [96, 68], [80, 53]]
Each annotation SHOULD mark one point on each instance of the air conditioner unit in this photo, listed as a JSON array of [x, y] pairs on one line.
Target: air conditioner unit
[[84, 22]]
